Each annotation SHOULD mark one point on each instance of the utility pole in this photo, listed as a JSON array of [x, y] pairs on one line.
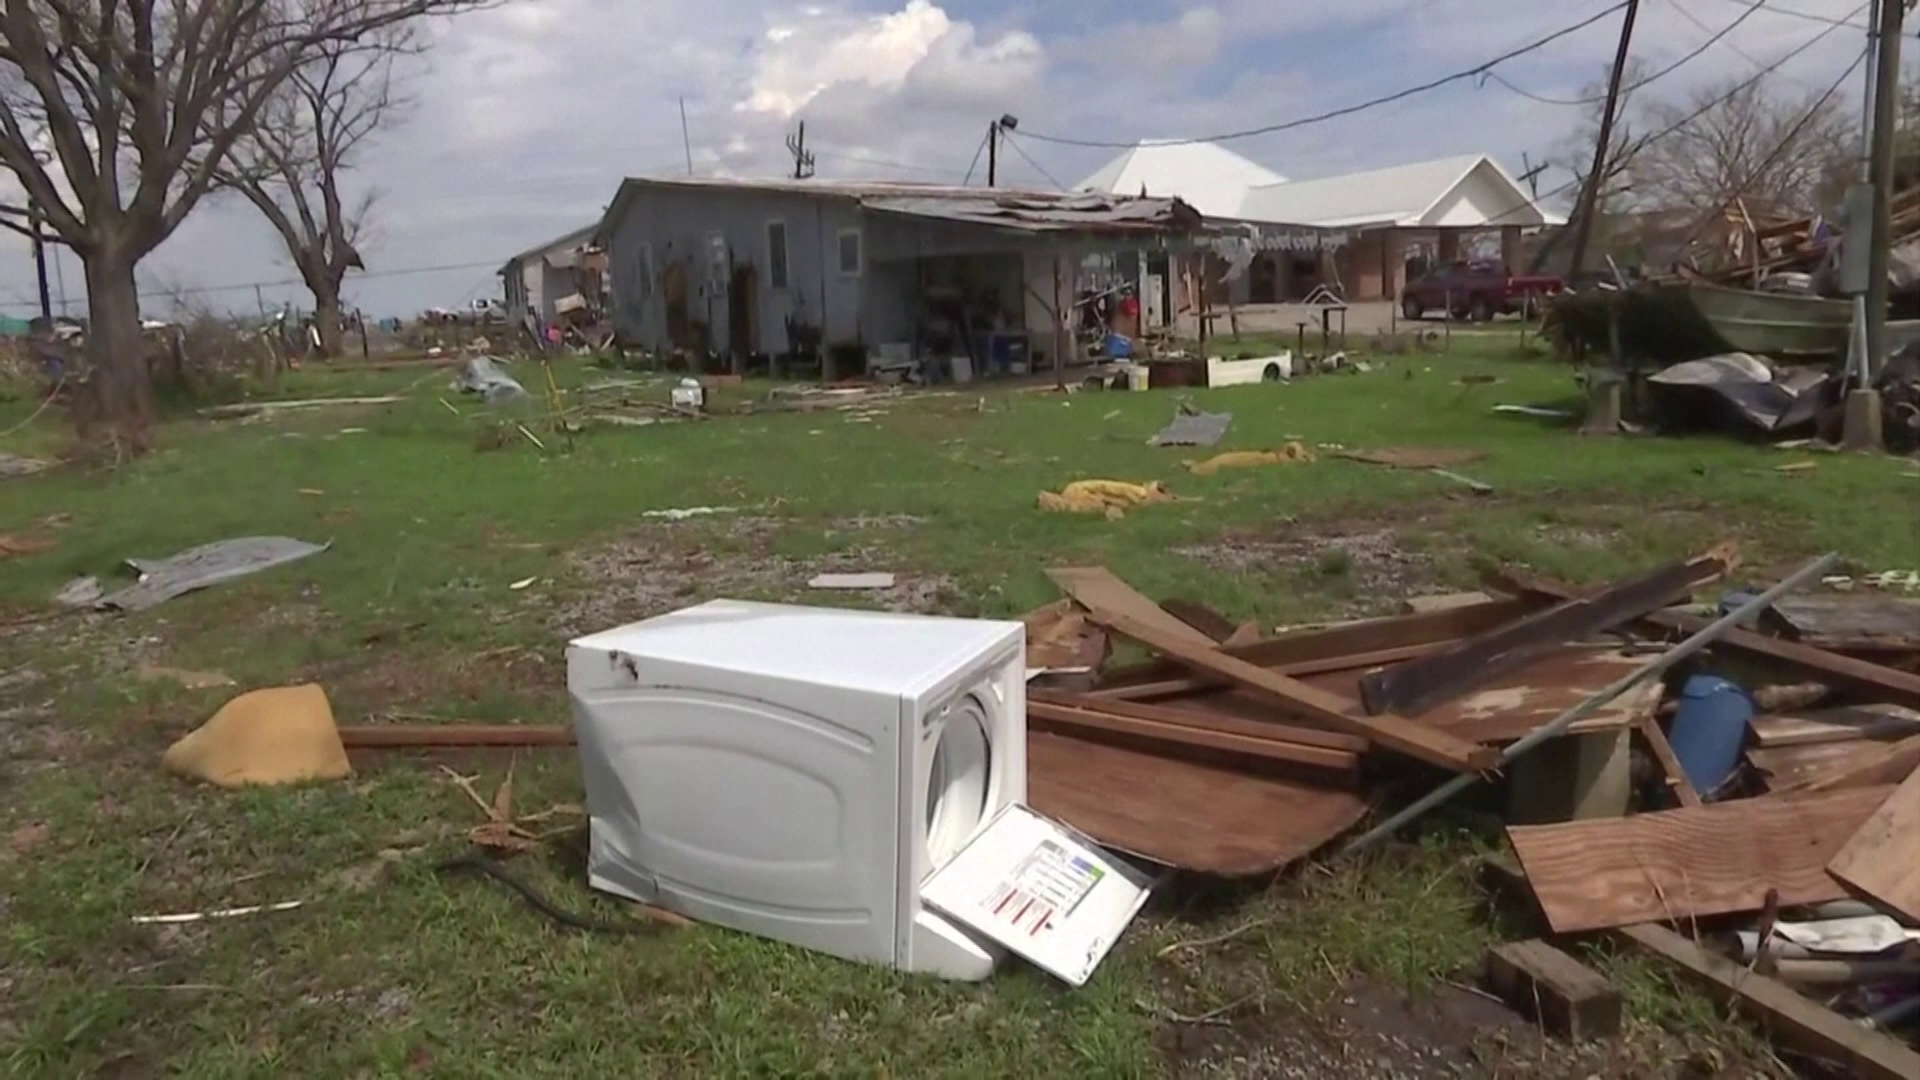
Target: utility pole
[[686, 140], [993, 151], [802, 157], [1861, 425], [1590, 192]]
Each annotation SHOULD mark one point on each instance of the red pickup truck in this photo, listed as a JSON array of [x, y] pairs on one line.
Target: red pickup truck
[[1477, 291]]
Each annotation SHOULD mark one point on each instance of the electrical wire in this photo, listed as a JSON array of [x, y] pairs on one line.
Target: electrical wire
[[1028, 158], [1637, 83], [968, 179], [1810, 16], [1737, 50], [1697, 113], [1349, 110]]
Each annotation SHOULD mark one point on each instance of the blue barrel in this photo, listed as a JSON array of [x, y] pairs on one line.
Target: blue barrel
[[1709, 730]]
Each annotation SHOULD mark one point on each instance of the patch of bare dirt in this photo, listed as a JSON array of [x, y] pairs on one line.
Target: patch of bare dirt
[[1374, 1032], [1366, 564], [660, 569]]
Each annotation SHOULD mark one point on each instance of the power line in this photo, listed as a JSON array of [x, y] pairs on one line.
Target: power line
[[1638, 83], [1845, 20], [1737, 50], [1349, 110], [1028, 158], [1729, 94], [968, 179]]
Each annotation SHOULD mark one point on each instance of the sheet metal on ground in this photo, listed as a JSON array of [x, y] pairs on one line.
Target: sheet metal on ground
[[1186, 814], [1505, 709]]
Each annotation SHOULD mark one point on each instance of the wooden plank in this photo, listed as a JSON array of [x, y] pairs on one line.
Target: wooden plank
[[1173, 688], [1420, 605], [1217, 627], [1206, 720], [1693, 862], [1870, 765], [1786, 767], [1849, 622], [1197, 816], [1846, 723], [1881, 861], [1390, 732], [1083, 721], [1789, 1019], [438, 736], [1097, 588], [1662, 752], [1415, 686], [1873, 681], [1325, 643], [1570, 999]]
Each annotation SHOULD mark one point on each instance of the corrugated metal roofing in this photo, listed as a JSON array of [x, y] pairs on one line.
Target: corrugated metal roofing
[[1209, 177], [1397, 195]]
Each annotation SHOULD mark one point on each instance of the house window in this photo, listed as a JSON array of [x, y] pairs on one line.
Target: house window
[[851, 257], [777, 254]]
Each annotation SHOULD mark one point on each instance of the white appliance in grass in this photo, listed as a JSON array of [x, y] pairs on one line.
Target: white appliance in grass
[[801, 773]]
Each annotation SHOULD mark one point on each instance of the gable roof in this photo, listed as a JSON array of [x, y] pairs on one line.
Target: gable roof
[[565, 243], [1207, 176], [1466, 191]]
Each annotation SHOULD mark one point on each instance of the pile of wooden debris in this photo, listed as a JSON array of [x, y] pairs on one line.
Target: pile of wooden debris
[[1773, 856]]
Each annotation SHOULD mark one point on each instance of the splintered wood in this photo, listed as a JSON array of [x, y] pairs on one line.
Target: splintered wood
[[1881, 861], [1694, 862]]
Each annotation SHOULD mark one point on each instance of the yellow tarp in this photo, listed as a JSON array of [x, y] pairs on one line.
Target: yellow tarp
[[1109, 497], [282, 735], [1240, 459]]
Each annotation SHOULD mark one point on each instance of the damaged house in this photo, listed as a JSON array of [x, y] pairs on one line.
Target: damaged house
[[562, 275], [854, 274]]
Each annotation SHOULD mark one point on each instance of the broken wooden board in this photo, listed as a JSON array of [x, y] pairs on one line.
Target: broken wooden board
[[1675, 775], [1854, 621], [1093, 722], [1390, 732], [454, 734], [1416, 686], [1060, 637], [1693, 862], [1846, 723], [1207, 818], [1515, 704], [1870, 765], [1570, 999], [1421, 605], [1789, 768], [1788, 1018], [1872, 681], [1217, 627], [1097, 588], [1881, 861]]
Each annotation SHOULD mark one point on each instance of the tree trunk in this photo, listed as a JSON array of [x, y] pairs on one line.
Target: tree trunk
[[326, 316], [118, 382]]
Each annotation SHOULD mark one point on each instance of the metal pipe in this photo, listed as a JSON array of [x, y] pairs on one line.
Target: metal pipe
[[1708, 634]]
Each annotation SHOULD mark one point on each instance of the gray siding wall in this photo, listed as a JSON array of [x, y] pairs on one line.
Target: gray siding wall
[[661, 225]]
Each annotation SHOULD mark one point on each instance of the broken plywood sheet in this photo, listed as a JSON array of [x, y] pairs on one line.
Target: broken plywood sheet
[[1207, 818], [1881, 860], [1099, 589], [1847, 723], [1792, 766], [1514, 705], [1850, 622], [1699, 861]]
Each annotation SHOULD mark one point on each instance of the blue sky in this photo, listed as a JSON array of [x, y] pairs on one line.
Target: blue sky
[[528, 115]]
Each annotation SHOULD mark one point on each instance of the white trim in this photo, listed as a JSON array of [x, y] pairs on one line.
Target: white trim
[[860, 252], [785, 262]]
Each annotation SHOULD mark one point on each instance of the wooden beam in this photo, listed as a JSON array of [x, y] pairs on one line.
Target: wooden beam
[[1390, 732], [1417, 685], [1789, 1019], [1205, 720], [1173, 688], [1662, 751], [1216, 626], [1881, 863], [1872, 765], [1096, 587], [1070, 721], [1570, 999], [456, 734], [1875, 681]]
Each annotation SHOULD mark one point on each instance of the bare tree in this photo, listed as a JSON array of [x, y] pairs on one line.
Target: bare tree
[[290, 166], [135, 104], [1775, 151]]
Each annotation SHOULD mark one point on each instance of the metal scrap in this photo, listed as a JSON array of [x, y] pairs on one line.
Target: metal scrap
[[1194, 429], [209, 564]]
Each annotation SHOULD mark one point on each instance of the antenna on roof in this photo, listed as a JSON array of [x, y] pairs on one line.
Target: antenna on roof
[[802, 157]]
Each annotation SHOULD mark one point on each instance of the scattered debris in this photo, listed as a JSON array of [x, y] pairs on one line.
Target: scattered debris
[[1413, 457], [522, 584], [12, 465], [11, 545], [685, 512], [210, 564], [189, 680], [1541, 411], [222, 913], [1110, 497], [81, 592], [503, 831], [1240, 459], [1475, 486], [1194, 429], [242, 409], [853, 582], [282, 735], [483, 375]]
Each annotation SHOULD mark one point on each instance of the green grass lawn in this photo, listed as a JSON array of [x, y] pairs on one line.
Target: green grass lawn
[[389, 968]]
